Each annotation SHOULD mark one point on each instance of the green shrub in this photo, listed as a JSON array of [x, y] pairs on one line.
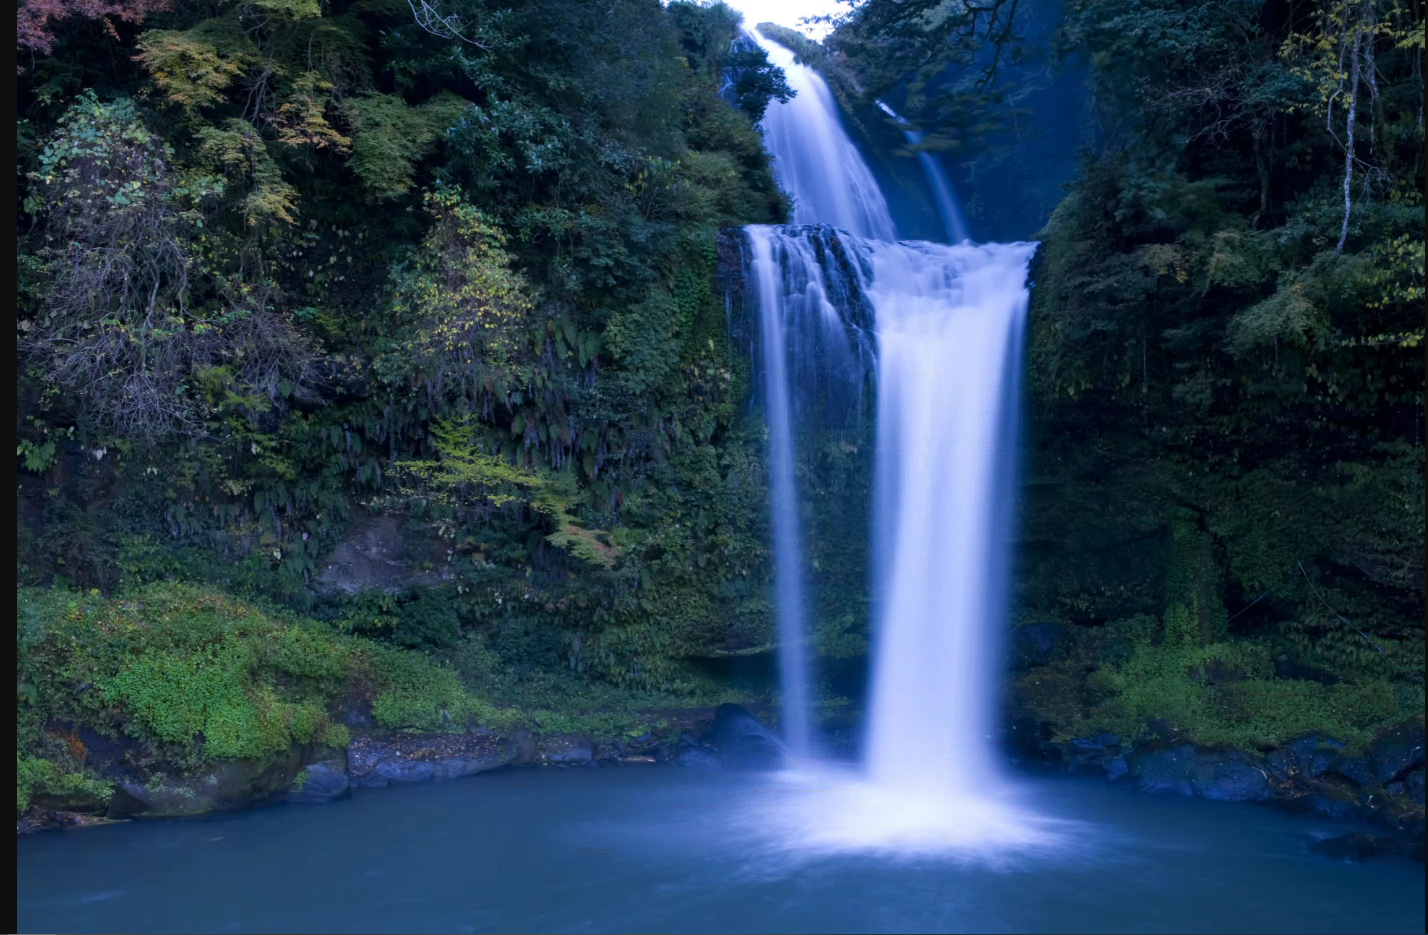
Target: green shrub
[[37, 776]]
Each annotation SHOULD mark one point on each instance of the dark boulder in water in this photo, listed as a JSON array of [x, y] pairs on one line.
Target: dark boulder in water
[[401, 758], [695, 757], [322, 782], [744, 743], [219, 786]]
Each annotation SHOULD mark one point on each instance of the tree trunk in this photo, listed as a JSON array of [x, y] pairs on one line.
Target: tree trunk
[[1354, 75]]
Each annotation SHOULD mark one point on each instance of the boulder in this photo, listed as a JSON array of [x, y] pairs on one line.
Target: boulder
[[695, 757], [744, 743], [377, 761], [1396, 751], [1358, 770], [322, 781], [224, 785], [1413, 786], [1222, 775], [1306, 758], [567, 749]]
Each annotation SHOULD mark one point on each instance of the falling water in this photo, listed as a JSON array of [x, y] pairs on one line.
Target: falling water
[[945, 322], [819, 167], [814, 159], [952, 220], [949, 321], [788, 566]]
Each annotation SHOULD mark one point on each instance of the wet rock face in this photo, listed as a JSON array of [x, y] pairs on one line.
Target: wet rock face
[[1225, 776], [374, 761], [1413, 786], [1305, 758], [224, 785], [322, 781], [1395, 752], [373, 553]]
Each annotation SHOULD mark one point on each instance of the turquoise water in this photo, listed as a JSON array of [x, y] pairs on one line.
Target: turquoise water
[[659, 850]]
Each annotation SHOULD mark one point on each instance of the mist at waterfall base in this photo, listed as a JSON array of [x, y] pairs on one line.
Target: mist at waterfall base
[[940, 335]]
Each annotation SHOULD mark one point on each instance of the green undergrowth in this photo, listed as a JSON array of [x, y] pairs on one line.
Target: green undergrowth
[[1142, 677], [198, 676], [37, 776]]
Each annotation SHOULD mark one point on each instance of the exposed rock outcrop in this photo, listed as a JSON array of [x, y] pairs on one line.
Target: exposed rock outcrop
[[1382, 783]]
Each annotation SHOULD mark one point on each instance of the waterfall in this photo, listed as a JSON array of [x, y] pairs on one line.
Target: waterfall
[[952, 221], [819, 167], [948, 330], [940, 326], [815, 161]]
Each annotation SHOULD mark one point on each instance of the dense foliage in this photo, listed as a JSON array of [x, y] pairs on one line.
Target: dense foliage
[[287, 264], [1228, 363]]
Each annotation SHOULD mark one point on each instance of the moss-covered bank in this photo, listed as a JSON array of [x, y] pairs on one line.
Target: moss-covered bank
[[173, 682]]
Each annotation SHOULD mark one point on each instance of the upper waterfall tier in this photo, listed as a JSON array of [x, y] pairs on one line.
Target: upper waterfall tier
[[815, 161]]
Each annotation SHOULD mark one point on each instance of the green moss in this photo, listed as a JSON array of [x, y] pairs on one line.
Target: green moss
[[35, 776], [1132, 675], [336, 735]]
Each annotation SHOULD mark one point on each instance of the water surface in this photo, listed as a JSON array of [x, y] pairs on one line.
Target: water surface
[[663, 850]]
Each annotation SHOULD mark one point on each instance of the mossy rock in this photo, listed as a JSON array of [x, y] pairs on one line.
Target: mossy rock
[[221, 786]]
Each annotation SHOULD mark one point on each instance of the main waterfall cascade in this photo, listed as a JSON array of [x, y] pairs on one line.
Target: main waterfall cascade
[[940, 327]]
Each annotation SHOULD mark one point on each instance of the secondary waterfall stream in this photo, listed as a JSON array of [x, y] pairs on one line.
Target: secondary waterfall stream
[[944, 323], [947, 208]]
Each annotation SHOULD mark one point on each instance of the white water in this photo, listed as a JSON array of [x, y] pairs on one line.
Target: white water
[[815, 161], [947, 207], [819, 167], [793, 656], [947, 324], [948, 327]]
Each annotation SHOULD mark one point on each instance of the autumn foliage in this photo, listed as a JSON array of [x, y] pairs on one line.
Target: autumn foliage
[[35, 19]]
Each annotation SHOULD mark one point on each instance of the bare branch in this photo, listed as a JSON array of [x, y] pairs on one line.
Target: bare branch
[[445, 27]]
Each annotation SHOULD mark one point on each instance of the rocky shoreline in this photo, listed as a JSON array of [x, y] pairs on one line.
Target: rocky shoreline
[[727, 736], [1382, 785]]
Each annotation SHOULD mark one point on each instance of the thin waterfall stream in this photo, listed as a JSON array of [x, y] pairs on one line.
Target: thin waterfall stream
[[947, 207]]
